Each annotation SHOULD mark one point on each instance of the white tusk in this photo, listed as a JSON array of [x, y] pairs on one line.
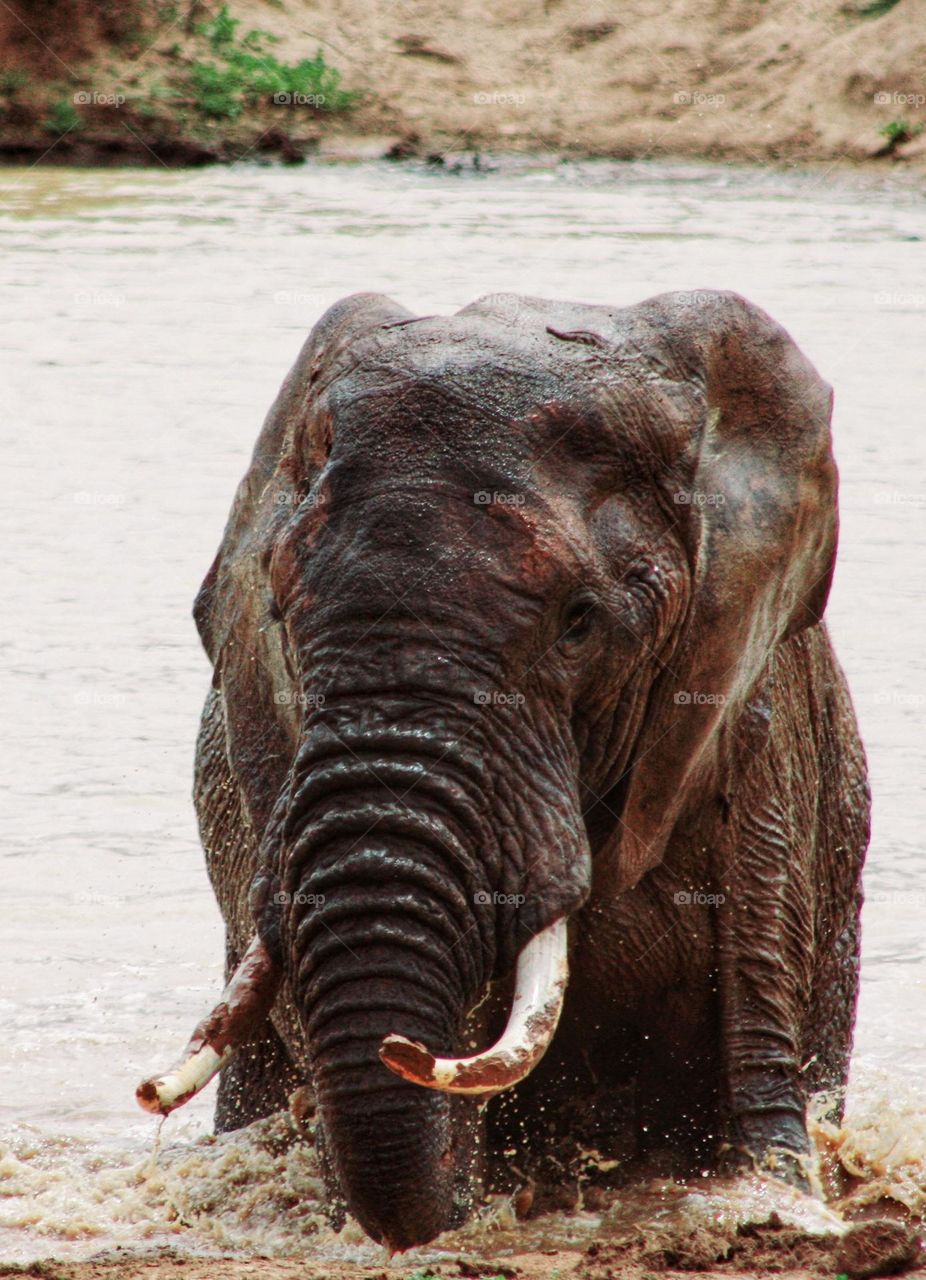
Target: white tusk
[[182, 1082], [245, 1003], [540, 985]]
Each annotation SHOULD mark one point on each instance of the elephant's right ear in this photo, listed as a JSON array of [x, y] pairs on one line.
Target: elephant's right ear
[[278, 473], [231, 608], [759, 518]]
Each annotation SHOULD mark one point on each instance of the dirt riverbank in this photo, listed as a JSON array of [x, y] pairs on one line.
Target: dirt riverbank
[[152, 83], [249, 1206], [878, 1249]]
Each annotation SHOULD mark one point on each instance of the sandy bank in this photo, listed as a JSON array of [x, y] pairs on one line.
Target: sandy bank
[[873, 1249], [748, 81]]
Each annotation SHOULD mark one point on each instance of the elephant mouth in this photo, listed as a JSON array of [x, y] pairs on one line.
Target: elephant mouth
[[540, 986]]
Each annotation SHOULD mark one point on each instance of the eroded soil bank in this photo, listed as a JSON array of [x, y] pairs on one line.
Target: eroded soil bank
[[152, 82]]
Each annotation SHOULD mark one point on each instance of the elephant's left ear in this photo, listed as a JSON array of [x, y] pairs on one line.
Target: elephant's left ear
[[761, 526], [766, 483]]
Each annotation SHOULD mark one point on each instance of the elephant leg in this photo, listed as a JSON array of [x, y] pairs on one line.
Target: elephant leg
[[766, 952], [831, 1019], [258, 1080], [843, 833]]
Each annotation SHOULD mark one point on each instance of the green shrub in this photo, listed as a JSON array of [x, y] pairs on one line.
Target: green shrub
[[876, 8], [256, 40], [248, 73], [63, 117], [217, 90], [898, 131], [11, 82], [220, 32]]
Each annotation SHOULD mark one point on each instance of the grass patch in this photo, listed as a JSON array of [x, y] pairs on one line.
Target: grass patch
[[220, 32], [248, 72], [897, 131], [487, 1275], [63, 117], [11, 82], [217, 91], [876, 8]]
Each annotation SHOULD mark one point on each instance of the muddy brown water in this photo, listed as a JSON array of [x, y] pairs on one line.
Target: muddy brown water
[[147, 321]]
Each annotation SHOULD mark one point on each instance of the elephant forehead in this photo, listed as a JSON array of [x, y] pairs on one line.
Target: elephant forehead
[[515, 388]]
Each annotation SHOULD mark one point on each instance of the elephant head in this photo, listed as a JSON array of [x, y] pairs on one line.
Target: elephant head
[[491, 591]]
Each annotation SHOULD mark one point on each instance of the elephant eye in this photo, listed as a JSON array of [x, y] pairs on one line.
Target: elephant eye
[[273, 613], [579, 619]]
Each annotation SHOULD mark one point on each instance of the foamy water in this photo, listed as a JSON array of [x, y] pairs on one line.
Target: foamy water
[[147, 322]]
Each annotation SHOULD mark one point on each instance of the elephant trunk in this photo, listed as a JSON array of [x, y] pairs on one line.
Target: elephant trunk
[[391, 1145], [383, 932]]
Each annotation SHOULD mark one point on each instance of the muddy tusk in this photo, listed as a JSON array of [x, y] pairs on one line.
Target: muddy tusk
[[245, 1003], [540, 985]]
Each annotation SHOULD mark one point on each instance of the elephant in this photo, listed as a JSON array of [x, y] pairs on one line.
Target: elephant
[[526, 732]]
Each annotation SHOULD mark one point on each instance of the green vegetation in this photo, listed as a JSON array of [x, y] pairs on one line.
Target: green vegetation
[[220, 32], [218, 91], [217, 73], [248, 72], [430, 1275], [876, 8], [63, 117], [11, 82], [897, 131]]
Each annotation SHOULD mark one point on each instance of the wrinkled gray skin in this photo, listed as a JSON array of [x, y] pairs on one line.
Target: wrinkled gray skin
[[605, 691]]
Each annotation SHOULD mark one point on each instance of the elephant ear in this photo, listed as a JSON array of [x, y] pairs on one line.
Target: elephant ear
[[760, 524], [231, 607]]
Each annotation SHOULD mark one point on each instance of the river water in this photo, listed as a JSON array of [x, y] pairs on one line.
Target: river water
[[147, 320]]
